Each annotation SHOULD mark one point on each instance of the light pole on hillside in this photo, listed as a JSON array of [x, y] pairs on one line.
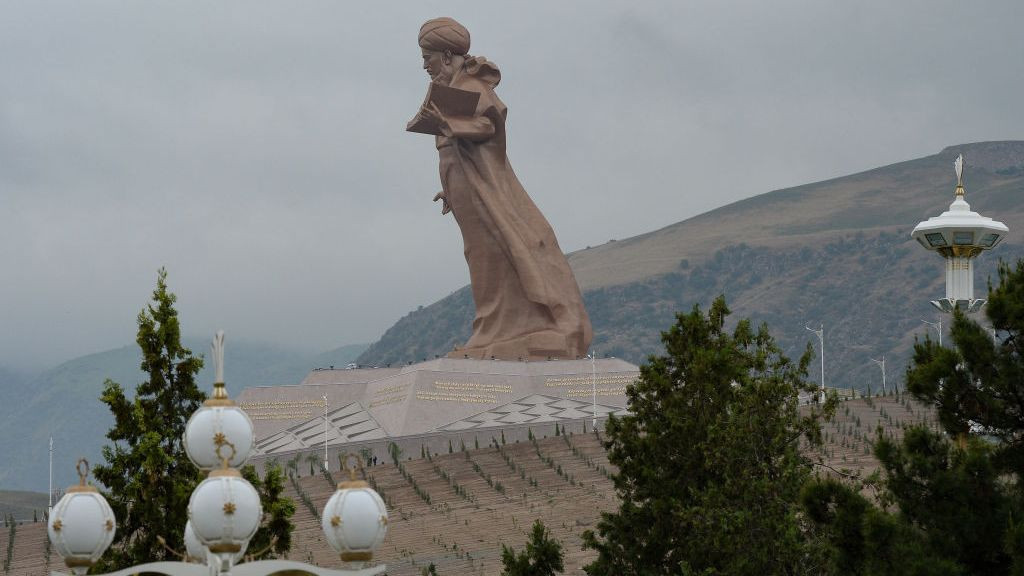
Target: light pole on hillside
[[49, 496], [820, 333], [326, 462], [938, 328], [593, 385], [881, 364]]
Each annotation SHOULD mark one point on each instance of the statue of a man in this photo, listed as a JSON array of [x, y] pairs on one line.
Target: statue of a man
[[528, 304]]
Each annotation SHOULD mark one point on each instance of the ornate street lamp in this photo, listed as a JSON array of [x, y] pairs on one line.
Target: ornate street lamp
[[218, 421], [224, 510], [355, 519], [959, 235], [82, 524]]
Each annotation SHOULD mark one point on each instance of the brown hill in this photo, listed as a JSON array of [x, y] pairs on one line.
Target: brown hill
[[836, 252], [894, 197]]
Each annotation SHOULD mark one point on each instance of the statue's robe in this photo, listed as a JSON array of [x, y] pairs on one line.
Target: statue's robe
[[528, 304]]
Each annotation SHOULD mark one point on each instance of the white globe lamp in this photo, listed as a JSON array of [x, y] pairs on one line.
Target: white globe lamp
[[194, 549], [225, 512], [219, 420], [81, 526], [355, 519], [196, 552]]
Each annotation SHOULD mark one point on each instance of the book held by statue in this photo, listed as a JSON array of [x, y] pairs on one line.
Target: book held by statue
[[450, 101]]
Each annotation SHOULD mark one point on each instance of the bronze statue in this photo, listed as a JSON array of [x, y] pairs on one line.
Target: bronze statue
[[528, 305]]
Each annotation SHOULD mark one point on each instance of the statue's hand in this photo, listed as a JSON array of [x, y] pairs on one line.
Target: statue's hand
[[445, 207], [431, 113]]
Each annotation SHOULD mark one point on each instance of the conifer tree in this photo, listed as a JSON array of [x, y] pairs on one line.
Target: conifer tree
[[710, 468], [147, 474], [542, 556], [274, 538], [951, 500]]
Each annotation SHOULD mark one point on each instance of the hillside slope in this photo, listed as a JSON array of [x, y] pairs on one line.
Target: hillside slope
[[837, 253]]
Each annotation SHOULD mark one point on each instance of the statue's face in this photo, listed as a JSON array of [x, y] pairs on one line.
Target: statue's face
[[435, 65]]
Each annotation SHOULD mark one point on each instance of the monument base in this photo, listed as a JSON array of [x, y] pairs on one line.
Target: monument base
[[432, 402], [539, 346]]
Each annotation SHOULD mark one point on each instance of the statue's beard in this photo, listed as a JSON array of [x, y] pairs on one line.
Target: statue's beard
[[444, 76]]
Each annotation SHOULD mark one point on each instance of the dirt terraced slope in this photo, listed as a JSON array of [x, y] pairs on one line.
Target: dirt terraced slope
[[457, 510]]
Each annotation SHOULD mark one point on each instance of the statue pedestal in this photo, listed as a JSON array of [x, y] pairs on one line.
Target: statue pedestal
[[431, 403]]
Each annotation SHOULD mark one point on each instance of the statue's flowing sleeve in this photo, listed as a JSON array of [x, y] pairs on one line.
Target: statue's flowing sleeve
[[475, 129]]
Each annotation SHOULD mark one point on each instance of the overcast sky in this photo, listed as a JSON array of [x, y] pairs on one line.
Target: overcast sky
[[257, 149]]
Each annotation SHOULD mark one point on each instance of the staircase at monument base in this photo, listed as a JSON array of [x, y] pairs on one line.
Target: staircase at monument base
[[462, 532]]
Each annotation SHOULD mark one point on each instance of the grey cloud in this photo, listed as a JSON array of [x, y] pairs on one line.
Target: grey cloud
[[257, 148]]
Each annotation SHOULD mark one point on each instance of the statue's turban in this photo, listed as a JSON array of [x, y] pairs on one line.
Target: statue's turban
[[444, 33]]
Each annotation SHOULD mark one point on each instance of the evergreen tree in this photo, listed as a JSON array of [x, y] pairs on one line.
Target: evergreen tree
[[542, 557], [977, 386], [274, 538], [709, 460], [148, 475], [956, 505]]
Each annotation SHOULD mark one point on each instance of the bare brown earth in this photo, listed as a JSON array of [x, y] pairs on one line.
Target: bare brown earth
[[897, 196], [561, 480]]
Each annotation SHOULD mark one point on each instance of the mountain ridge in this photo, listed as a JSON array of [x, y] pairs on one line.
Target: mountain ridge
[[836, 252]]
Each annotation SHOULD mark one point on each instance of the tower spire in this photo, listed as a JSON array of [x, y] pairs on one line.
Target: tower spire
[[958, 165]]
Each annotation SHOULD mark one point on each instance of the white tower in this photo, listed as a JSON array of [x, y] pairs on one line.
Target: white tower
[[959, 235]]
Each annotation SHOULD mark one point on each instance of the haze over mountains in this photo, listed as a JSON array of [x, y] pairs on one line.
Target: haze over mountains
[[836, 252], [64, 401]]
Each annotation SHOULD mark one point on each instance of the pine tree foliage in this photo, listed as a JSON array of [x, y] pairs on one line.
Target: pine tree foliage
[[950, 501], [274, 537], [542, 556], [147, 474], [977, 386], [710, 468], [862, 539]]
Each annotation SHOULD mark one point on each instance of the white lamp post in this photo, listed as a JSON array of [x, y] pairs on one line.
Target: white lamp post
[[593, 385], [224, 511], [49, 496], [881, 363], [938, 328], [326, 464]]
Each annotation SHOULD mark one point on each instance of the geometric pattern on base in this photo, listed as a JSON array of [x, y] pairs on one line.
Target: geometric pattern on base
[[537, 408], [348, 423]]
